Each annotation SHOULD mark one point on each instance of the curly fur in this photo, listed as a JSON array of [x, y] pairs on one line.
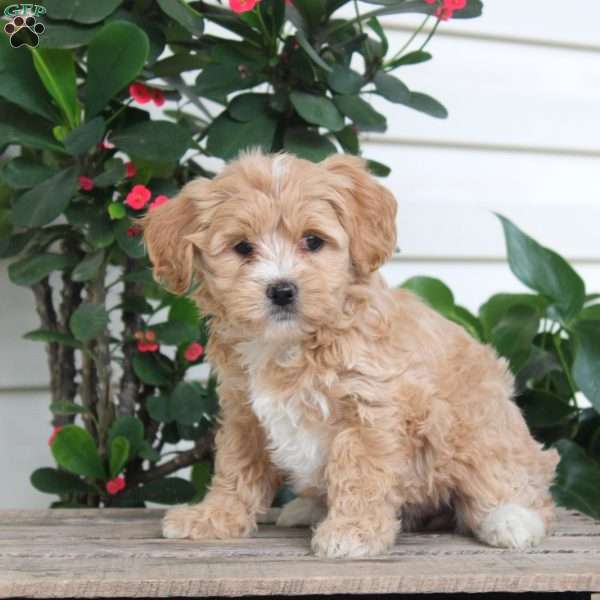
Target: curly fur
[[366, 400]]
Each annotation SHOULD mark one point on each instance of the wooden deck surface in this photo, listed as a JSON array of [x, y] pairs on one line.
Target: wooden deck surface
[[119, 553]]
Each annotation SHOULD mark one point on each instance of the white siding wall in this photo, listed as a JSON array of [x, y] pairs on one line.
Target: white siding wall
[[522, 85]]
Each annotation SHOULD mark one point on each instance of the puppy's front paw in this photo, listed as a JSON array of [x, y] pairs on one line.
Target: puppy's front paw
[[205, 522], [341, 539], [512, 526]]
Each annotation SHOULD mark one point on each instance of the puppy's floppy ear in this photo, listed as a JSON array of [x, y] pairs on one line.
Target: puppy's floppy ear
[[167, 229], [369, 214]]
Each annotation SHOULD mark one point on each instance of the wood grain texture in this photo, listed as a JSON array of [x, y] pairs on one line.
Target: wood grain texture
[[119, 553]]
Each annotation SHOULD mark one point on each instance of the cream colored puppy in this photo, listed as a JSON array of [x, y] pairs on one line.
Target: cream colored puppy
[[375, 408]]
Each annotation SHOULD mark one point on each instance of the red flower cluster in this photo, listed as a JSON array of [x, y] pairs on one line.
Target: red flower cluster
[[86, 184], [146, 341], [142, 94], [114, 486], [194, 352], [242, 6], [134, 231], [446, 10], [140, 195]]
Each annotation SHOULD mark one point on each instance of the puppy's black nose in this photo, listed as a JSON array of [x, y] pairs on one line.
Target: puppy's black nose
[[282, 293]]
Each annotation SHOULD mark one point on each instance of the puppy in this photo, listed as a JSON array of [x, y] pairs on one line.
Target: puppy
[[374, 408]]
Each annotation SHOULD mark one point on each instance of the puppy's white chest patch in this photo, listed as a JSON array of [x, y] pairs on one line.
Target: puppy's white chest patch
[[296, 447]]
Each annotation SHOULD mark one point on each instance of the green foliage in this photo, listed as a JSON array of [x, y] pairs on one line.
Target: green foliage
[[551, 339]]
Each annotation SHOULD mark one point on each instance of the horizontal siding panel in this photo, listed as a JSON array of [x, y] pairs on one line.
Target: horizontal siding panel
[[500, 94]]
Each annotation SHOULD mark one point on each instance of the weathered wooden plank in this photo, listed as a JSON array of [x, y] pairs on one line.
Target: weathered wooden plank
[[119, 553]]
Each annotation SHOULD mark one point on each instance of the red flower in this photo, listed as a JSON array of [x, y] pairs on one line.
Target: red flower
[[158, 201], [114, 486], [86, 184], [130, 170], [147, 346], [150, 335], [193, 352], [158, 97], [133, 231], [140, 93], [446, 10], [53, 435], [106, 145], [242, 6], [146, 341], [138, 197]]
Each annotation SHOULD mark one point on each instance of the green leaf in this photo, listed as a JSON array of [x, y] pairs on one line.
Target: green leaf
[[82, 11], [67, 35], [344, 80], [185, 310], [308, 144], [47, 336], [306, 46], [577, 480], [157, 141], [132, 245], [187, 403], [491, 313], [544, 270], [348, 139], [23, 173], [586, 367], [184, 14], [217, 80], [175, 333], [246, 107], [116, 56], [116, 211], [391, 88], [159, 408], [180, 63], [375, 25], [53, 481], [24, 129], [227, 137], [590, 313], [114, 172], [147, 452], [74, 449], [56, 69], [149, 370], [129, 428], [468, 321], [20, 84], [47, 200], [63, 407], [88, 267], [100, 233], [378, 169], [13, 245], [513, 335], [543, 409], [88, 321], [85, 137], [171, 490], [412, 58], [425, 104], [34, 268], [318, 110], [433, 291], [118, 455], [201, 478], [362, 114]]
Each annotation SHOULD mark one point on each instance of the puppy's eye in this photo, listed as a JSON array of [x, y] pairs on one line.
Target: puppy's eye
[[244, 248], [312, 243]]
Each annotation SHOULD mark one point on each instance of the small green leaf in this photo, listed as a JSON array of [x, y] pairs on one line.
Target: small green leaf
[[343, 80], [85, 137], [426, 104], [184, 14], [74, 449], [63, 407], [47, 200], [363, 115], [180, 63], [81, 11], [116, 56], [149, 370], [391, 88], [586, 367], [412, 58], [88, 321], [175, 333], [157, 141], [544, 271], [246, 107], [187, 403], [24, 129], [47, 336], [23, 173], [308, 144], [159, 408], [348, 138], [116, 211], [378, 169], [118, 455], [53, 481], [100, 233], [114, 172], [88, 267], [129, 428], [491, 313], [305, 45], [185, 310], [132, 245], [171, 490], [34, 268], [67, 35], [433, 291], [318, 110], [147, 452]]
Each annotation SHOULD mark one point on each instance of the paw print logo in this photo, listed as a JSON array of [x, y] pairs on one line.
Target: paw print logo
[[24, 31]]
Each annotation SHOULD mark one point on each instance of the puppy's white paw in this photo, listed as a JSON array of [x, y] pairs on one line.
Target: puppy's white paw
[[177, 523], [301, 512], [512, 526]]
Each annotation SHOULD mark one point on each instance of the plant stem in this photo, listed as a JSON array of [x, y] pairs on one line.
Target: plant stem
[[561, 357], [410, 39], [431, 34]]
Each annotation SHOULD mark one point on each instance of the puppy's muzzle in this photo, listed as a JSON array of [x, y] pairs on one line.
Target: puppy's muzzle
[[282, 293]]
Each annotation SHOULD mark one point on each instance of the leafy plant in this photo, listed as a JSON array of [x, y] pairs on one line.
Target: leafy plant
[[85, 159], [551, 340]]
